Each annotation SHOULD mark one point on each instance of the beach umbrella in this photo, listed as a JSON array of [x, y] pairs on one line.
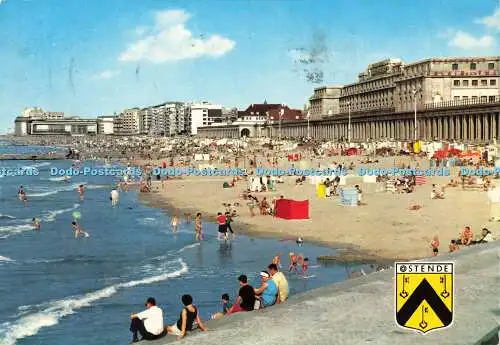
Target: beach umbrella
[[77, 215]]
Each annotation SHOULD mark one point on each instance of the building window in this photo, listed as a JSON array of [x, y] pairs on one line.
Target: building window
[[474, 83], [484, 82], [493, 82], [472, 66], [491, 65], [474, 98], [465, 97], [484, 98], [465, 83], [492, 99], [454, 67], [456, 82]]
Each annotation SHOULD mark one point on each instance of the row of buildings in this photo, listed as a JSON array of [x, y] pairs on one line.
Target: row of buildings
[[389, 90], [166, 119], [392, 85]]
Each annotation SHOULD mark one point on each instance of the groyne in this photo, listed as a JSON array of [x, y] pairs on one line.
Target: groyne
[[30, 157], [361, 311]]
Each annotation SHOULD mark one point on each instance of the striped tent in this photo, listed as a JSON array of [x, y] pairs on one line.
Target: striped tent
[[420, 180]]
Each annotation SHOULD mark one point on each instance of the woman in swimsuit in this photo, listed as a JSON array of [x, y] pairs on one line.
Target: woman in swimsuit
[[198, 227]]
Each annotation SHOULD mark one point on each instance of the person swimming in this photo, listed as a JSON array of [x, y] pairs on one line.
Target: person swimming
[[36, 223], [299, 241], [78, 230]]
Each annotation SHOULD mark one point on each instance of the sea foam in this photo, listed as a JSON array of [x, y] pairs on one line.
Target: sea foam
[[50, 313]]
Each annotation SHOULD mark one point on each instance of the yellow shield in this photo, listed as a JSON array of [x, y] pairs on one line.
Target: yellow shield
[[424, 295]]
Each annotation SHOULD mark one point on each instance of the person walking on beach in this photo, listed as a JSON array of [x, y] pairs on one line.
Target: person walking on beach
[[149, 323], [198, 227], [174, 223], [36, 223]]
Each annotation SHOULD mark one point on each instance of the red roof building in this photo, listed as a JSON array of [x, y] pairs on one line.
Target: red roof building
[[271, 112]]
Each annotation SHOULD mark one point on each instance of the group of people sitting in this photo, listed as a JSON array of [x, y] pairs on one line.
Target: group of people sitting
[[465, 238], [273, 290], [149, 323]]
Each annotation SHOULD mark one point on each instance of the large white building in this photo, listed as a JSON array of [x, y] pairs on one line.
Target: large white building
[[204, 114], [392, 85], [106, 124], [128, 123], [37, 113]]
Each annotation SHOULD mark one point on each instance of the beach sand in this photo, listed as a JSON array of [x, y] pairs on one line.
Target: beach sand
[[383, 229]]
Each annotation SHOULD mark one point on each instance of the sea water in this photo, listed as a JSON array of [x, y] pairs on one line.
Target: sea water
[[56, 289]]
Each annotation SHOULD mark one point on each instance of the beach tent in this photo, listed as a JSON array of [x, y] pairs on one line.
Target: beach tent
[[352, 151], [292, 209]]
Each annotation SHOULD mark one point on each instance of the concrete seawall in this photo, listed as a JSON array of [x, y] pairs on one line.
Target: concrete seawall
[[361, 311]]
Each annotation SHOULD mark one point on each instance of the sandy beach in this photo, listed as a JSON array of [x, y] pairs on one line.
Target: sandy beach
[[382, 229]]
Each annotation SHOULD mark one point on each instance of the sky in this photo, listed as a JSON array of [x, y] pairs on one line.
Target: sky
[[95, 57]]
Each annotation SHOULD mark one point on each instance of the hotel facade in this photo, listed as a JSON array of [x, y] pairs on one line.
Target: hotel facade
[[453, 98]]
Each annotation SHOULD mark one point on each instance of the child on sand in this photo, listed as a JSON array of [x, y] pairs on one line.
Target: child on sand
[[466, 236], [435, 246], [453, 246]]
